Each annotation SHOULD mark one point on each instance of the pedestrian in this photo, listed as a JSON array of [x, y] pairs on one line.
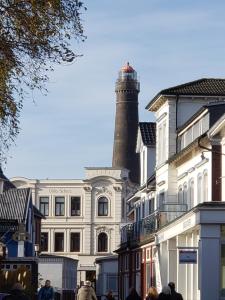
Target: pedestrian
[[165, 294], [133, 295], [17, 293], [86, 292], [152, 293], [46, 292], [110, 296], [174, 294]]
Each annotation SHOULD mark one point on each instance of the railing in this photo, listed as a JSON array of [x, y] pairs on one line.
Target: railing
[[141, 230]]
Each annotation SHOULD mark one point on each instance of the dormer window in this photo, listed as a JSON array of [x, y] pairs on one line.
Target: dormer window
[[193, 132]]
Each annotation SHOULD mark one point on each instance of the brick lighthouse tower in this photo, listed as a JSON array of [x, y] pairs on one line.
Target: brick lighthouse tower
[[126, 122]]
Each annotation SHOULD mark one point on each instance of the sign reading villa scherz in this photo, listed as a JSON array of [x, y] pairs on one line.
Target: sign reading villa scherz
[[188, 256]]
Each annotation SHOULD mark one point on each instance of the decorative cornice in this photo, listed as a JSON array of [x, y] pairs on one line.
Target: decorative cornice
[[182, 175], [161, 183], [103, 229]]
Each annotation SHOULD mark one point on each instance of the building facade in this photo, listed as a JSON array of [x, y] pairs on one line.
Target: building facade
[[82, 217], [182, 239]]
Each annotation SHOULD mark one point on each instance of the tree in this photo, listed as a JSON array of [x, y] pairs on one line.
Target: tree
[[34, 35]]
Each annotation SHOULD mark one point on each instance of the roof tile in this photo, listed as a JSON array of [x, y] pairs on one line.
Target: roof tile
[[148, 131]]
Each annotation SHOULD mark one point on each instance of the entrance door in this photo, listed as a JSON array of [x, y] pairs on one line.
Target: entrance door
[[91, 276]]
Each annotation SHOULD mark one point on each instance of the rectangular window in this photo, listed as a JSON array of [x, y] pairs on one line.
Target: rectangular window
[[161, 151], [143, 209], [44, 205], [161, 200], [44, 241], [59, 242], [75, 242], [138, 260], [151, 206], [59, 206], [75, 206]]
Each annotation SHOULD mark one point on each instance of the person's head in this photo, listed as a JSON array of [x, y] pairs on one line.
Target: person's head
[[47, 283], [109, 293], [152, 292], [87, 283], [166, 290], [133, 292], [172, 286], [17, 286]]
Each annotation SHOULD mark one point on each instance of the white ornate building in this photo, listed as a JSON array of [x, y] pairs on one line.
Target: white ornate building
[[83, 217]]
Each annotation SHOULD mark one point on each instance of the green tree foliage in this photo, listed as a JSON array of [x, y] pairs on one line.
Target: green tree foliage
[[34, 35]]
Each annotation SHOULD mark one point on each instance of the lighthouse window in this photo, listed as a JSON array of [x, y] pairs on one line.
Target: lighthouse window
[[103, 206]]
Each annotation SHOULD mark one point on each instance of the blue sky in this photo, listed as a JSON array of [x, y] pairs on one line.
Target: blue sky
[[168, 42]]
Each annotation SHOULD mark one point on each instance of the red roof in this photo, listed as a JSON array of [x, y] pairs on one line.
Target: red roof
[[127, 68]]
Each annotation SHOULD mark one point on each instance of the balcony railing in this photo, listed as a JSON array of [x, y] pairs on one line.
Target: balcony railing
[[141, 230]]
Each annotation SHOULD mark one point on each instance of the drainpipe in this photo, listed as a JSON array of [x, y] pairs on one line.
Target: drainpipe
[[177, 99]]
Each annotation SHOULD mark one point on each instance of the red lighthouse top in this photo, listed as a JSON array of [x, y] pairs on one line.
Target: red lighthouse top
[[127, 68], [127, 72]]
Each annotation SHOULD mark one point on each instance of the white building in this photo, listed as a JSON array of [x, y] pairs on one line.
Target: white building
[[83, 217], [189, 206]]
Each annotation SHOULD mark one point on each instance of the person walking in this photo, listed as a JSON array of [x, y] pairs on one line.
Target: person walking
[[165, 294], [46, 292], [133, 295], [174, 294], [152, 293], [109, 295], [17, 293], [86, 292]]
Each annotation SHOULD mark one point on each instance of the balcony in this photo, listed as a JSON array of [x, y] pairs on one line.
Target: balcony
[[141, 230]]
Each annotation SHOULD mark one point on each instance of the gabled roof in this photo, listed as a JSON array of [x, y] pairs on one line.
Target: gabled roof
[[14, 204], [200, 87], [215, 129], [148, 133], [37, 213], [7, 183]]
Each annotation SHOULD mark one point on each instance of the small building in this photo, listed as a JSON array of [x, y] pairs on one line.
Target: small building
[[20, 220], [61, 271], [20, 231], [107, 275]]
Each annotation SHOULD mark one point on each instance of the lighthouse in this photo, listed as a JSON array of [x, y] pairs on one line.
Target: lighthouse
[[126, 122]]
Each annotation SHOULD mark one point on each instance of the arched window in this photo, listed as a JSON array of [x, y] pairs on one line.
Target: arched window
[[102, 242], [199, 187], [103, 206], [191, 194], [180, 195], [205, 186], [185, 200]]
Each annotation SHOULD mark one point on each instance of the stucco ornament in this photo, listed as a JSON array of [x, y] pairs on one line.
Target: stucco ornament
[[102, 190], [103, 229], [87, 188]]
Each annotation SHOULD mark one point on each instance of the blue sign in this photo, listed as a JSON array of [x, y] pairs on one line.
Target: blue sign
[[188, 256]]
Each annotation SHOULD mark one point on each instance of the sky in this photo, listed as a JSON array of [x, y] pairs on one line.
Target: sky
[[168, 42]]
